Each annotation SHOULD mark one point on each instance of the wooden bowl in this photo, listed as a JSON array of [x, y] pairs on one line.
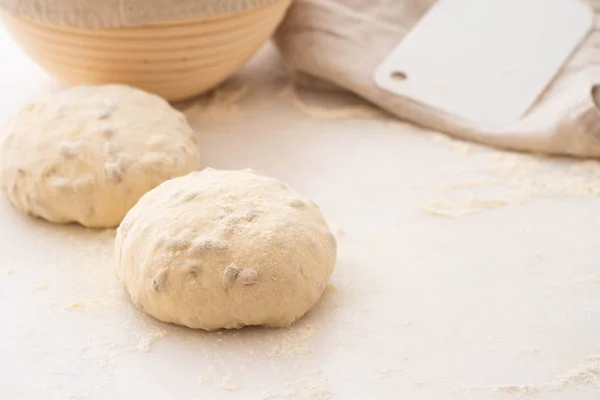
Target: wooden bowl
[[176, 59]]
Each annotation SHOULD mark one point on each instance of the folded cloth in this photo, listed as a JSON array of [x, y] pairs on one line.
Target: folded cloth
[[123, 13], [343, 42]]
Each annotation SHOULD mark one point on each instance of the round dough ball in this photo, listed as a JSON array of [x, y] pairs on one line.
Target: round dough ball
[[224, 249], [87, 154]]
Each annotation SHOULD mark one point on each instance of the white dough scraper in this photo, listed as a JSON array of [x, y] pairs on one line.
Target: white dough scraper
[[485, 61]]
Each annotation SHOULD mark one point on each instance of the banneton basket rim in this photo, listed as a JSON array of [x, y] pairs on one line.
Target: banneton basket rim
[[97, 14]]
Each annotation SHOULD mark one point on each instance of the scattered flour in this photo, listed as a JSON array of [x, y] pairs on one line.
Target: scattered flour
[[460, 147], [590, 280], [524, 350], [490, 203], [74, 306], [542, 176], [519, 390], [219, 103], [339, 112], [520, 177], [88, 304], [462, 185], [146, 342], [446, 209], [587, 374], [227, 383], [293, 342], [316, 389]]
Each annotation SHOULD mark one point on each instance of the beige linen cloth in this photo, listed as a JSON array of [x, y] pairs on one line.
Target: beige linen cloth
[[123, 13], [343, 41]]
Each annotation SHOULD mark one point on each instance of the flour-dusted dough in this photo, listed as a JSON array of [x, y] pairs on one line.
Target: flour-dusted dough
[[224, 249], [87, 154]]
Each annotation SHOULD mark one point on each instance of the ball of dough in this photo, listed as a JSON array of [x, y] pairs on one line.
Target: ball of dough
[[87, 154], [224, 249]]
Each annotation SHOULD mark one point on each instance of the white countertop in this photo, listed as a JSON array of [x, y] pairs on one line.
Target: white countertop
[[463, 272]]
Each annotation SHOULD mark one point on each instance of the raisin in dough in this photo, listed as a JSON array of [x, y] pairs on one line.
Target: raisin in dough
[[224, 249], [87, 154]]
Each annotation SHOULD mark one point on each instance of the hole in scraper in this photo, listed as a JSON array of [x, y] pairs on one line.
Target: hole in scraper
[[398, 75]]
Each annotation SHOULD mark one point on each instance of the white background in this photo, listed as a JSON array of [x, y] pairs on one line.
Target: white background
[[498, 298]]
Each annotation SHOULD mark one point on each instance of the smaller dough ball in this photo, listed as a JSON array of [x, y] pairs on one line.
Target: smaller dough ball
[[87, 154], [224, 249]]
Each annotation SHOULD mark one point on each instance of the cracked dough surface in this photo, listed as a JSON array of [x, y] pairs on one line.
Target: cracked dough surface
[[87, 154], [224, 249]]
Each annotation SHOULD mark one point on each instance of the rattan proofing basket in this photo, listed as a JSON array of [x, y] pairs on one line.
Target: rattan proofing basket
[[176, 59]]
